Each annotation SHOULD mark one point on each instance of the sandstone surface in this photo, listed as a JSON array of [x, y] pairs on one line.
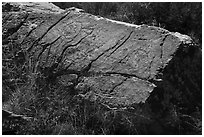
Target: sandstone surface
[[111, 62]]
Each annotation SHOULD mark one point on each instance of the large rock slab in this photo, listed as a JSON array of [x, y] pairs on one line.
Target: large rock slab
[[112, 62]]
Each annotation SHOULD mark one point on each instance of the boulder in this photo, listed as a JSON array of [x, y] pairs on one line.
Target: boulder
[[114, 63]]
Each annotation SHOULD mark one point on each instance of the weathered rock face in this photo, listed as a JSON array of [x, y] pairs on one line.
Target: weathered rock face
[[114, 63]]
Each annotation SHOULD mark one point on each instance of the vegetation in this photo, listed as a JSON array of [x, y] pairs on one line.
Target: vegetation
[[57, 109]]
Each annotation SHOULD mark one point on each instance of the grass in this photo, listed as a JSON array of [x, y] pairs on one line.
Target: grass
[[60, 113], [56, 109]]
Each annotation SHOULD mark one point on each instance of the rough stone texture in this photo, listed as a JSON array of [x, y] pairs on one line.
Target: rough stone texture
[[115, 63]]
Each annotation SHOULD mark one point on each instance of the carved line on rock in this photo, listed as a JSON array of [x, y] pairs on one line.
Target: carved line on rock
[[162, 46], [150, 66], [117, 85], [59, 59], [53, 25], [44, 46], [71, 45], [88, 67], [121, 44], [31, 32]]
